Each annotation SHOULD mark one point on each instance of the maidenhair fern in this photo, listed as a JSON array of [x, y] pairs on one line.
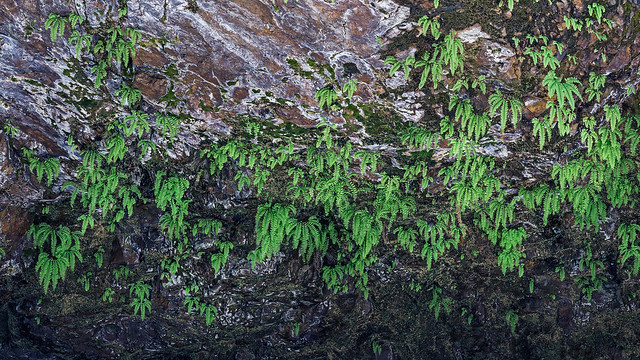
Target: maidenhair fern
[[349, 88], [170, 190], [439, 302], [596, 83], [333, 277], [49, 168], [542, 129], [505, 105], [136, 122], [140, 303], [509, 257], [99, 254], [430, 24], [512, 320], [629, 247], [50, 270], [55, 23], [564, 90], [170, 193], [107, 295], [306, 235], [101, 72], [406, 237], [587, 205], [326, 96], [129, 96], [407, 64], [81, 41], [548, 57], [64, 249], [117, 148], [218, 260], [271, 224], [596, 10], [416, 137], [452, 52], [434, 238], [168, 124]]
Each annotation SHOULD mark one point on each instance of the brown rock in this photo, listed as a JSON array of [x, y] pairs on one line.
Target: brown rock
[[152, 85], [534, 107], [293, 115], [578, 4], [14, 223], [499, 60], [619, 61], [240, 93], [150, 57]]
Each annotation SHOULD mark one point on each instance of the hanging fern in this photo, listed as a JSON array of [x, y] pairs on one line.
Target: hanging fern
[[452, 52], [326, 97], [129, 96], [64, 250], [505, 104], [136, 122], [542, 129], [587, 205], [168, 124], [271, 222], [140, 303], [417, 138], [406, 237], [426, 23], [629, 247], [169, 190], [117, 148], [55, 23], [305, 235], [50, 270], [49, 168], [81, 41], [565, 91]]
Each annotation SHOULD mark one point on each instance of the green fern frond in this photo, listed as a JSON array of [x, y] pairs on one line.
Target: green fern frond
[[55, 23]]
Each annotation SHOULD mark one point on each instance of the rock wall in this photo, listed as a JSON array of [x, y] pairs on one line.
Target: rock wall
[[218, 65]]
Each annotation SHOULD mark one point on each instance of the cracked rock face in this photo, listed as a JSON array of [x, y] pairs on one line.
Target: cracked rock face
[[219, 61], [220, 55]]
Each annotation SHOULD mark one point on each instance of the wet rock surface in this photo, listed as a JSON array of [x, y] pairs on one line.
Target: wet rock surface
[[220, 61]]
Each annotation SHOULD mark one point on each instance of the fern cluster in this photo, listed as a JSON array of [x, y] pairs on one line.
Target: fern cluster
[[593, 281], [129, 96], [505, 105], [629, 247], [49, 168], [433, 24], [271, 228], [64, 250], [439, 236], [439, 302], [448, 52], [140, 303], [169, 193], [327, 96], [209, 311]]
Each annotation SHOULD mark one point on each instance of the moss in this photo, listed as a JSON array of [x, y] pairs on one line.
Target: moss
[[171, 71], [34, 82], [382, 124], [295, 66], [203, 107], [192, 5], [170, 97], [325, 70]]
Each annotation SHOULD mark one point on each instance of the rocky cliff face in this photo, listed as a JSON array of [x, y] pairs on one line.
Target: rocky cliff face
[[219, 68]]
